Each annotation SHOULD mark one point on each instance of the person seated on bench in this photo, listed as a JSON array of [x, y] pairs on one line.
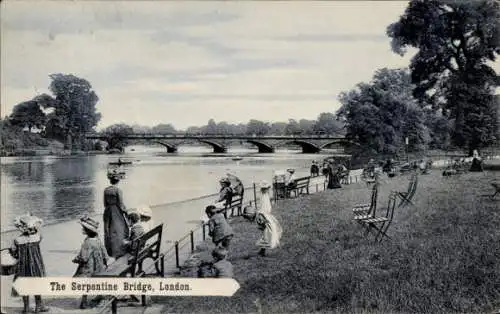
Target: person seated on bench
[[290, 181], [136, 229], [146, 218], [93, 257], [218, 227], [225, 192]]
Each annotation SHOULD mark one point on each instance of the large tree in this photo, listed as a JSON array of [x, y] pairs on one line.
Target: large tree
[[381, 114], [115, 135], [455, 42], [327, 123], [28, 114], [74, 108]]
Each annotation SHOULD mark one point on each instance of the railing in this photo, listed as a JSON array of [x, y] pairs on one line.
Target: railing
[[216, 136]]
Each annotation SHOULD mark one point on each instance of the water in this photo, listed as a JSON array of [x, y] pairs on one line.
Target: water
[[60, 189]]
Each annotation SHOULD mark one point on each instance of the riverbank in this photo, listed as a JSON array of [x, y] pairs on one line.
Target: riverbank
[[444, 256]]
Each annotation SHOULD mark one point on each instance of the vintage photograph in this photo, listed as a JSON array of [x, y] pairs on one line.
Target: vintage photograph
[[329, 156]]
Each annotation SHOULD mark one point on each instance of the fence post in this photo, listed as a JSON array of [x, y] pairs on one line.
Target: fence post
[[255, 195], [177, 264], [203, 227], [191, 235], [316, 188]]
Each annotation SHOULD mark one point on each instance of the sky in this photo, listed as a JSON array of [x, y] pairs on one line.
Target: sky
[[184, 62]]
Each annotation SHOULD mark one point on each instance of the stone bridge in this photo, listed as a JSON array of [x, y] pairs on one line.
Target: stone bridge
[[220, 143]]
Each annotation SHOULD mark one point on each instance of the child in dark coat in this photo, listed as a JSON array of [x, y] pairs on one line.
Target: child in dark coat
[[93, 257], [218, 227]]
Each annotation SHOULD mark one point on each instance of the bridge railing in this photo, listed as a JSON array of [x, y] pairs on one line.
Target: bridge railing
[[213, 136]]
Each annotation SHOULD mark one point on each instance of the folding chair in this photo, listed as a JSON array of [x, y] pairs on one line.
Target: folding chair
[[367, 209], [407, 196], [382, 223], [495, 185]]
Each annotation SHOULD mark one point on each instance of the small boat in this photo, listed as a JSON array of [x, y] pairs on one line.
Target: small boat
[[120, 162], [237, 158]]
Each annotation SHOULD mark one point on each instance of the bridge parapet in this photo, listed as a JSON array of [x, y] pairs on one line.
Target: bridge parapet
[[265, 143]]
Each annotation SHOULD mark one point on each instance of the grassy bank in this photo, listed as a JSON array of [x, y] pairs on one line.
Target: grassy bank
[[444, 256]]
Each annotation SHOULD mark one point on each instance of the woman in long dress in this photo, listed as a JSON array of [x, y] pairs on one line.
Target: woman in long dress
[[333, 178], [116, 226], [267, 223]]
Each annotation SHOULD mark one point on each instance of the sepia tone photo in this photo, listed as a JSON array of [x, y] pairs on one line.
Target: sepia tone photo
[[316, 156]]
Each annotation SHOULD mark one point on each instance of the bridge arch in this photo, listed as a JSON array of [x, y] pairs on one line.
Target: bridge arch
[[263, 147], [170, 147], [218, 148], [342, 142], [307, 147]]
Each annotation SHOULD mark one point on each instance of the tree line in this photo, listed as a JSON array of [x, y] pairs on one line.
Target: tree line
[[444, 99], [326, 124]]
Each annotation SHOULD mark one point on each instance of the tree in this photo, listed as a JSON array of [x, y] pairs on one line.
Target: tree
[[307, 126], [28, 114], [210, 128], [381, 114], [455, 41], [164, 129], [257, 127], [278, 128], [293, 128], [115, 135], [74, 108], [327, 123]]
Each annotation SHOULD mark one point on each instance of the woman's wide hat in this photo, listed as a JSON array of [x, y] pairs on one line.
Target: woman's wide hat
[[114, 175], [145, 211], [291, 170], [89, 224], [27, 222], [265, 185]]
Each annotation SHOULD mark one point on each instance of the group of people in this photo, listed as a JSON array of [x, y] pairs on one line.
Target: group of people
[[334, 173], [121, 227], [222, 233]]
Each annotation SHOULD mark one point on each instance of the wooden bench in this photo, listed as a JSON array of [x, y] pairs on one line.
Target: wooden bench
[[235, 203], [298, 186], [131, 264], [406, 197]]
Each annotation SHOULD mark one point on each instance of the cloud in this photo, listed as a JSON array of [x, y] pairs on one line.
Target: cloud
[[182, 62]]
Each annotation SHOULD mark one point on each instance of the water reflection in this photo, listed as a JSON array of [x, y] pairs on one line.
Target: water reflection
[[58, 189], [53, 189]]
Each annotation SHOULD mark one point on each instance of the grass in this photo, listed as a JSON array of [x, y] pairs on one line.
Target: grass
[[444, 256]]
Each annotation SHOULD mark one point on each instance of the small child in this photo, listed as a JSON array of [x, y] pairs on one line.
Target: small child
[[218, 227], [92, 258], [146, 218], [220, 267], [136, 229], [26, 249], [271, 232]]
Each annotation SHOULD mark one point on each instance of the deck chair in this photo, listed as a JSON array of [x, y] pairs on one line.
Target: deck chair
[[381, 224], [407, 196], [366, 209], [495, 185]]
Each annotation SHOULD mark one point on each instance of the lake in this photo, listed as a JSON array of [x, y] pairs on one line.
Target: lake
[[59, 189]]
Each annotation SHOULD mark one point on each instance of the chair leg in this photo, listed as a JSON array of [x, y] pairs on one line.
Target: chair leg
[[380, 231]]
